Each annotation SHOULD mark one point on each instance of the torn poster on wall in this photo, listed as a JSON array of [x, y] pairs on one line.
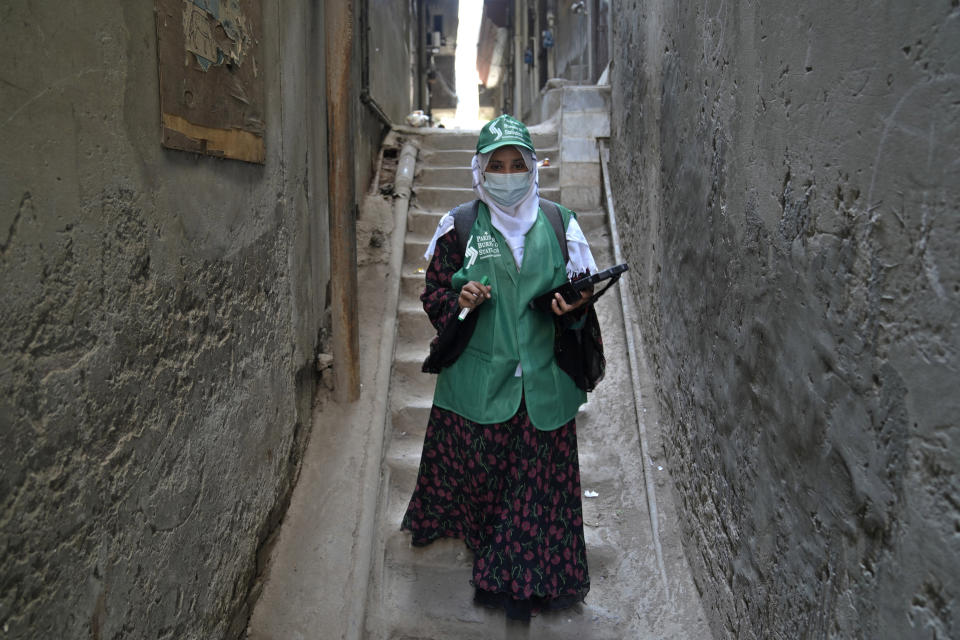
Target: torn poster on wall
[[211, 87]]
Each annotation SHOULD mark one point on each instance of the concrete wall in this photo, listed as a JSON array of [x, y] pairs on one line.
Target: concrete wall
[[391, 73], [571, 40], [787, 180], [392, 66], [160, 312]]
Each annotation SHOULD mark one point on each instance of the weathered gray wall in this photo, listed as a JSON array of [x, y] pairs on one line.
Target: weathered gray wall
[[159, 317], [571, 40], [390, 77], [391, 62], [787, 177]]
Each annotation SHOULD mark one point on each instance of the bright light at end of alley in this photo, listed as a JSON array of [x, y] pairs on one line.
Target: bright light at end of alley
[[468, 98]]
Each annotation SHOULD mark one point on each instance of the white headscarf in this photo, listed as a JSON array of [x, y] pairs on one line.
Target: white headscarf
[[514, 221]]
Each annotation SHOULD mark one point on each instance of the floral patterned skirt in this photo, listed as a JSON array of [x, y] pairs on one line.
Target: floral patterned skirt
[[512, 494]]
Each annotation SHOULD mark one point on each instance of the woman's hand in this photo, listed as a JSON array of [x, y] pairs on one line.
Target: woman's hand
[[560, 306], [473, 294]]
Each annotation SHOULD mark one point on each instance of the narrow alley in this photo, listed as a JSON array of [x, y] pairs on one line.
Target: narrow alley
[[213, 220], [638, 591]]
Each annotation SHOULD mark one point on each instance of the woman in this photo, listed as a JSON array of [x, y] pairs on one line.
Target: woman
[[499, 467]]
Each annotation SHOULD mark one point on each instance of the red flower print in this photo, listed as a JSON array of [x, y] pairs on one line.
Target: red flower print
[[509, 491]]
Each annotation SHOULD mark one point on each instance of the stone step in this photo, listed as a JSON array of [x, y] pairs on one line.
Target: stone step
[[408, 381], [446, 552], [413, 326], [413, 351], [401, 478], [443, 199], [466, 140], [463, 157], [405, 448], [411, 285], [447, 139], [429, 602], [433, 581], [444, 177], [463, 176], [403, 458], [410, 420], [413, 249], [445, 158], [421, 222], [592, 222]]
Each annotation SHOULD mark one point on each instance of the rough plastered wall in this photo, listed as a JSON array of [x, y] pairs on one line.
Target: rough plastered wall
[[787, 177], [159, 316]]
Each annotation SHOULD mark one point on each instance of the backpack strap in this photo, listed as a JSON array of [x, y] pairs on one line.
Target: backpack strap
[[466, 214], [463, 218], [552, 211]]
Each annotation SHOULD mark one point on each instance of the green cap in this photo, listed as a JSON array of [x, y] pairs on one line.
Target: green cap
[[501, 132]]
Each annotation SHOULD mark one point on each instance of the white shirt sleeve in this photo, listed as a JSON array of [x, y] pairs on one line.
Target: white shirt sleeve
[[581, 258], [443, 227]]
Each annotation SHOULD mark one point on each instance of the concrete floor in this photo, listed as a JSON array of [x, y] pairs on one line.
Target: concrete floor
[[340, 567]]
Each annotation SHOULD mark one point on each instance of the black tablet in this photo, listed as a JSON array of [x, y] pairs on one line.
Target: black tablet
[[571, 290]]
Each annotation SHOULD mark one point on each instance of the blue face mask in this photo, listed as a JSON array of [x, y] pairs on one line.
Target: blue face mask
[[507, 188]]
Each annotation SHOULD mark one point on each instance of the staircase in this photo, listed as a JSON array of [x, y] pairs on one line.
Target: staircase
[[425, 593]]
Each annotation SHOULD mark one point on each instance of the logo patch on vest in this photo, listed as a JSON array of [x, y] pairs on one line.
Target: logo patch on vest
[[486, 248]]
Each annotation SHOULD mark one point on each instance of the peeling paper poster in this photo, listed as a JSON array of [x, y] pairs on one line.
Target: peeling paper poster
[[198, 34], [211, 92]]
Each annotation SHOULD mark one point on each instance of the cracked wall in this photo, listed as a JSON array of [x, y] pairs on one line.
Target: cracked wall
[[787, 175], [160, 316]]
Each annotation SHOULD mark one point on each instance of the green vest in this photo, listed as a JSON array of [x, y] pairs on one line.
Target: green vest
[[481, 385]]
